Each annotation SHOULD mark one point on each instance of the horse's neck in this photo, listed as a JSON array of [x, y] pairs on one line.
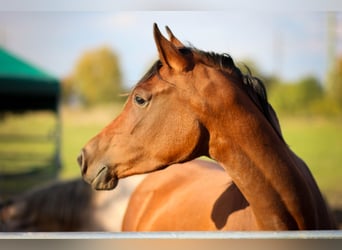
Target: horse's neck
[[267, 173]]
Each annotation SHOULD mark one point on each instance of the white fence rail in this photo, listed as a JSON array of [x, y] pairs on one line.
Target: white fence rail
[[174, 240], [325, 234]]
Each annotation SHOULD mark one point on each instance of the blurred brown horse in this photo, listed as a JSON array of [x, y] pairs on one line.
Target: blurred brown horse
[[194, 103], [66, 206]]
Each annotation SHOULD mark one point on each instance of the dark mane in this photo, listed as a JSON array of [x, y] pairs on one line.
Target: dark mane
[[224, 62], [254, 87]]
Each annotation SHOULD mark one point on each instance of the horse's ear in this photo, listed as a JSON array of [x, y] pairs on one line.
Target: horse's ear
[[174, 39], [168, 52]]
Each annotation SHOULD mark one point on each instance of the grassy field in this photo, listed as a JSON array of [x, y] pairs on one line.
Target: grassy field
[[317, 141], [27, 150]]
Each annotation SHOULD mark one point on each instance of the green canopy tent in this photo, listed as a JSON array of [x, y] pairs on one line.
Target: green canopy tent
[[24, 87]]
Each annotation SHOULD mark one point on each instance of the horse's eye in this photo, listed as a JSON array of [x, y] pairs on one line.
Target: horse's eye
[[140, 101]]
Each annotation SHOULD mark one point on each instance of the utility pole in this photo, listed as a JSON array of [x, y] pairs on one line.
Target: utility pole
[[331, 39], [277, 54]]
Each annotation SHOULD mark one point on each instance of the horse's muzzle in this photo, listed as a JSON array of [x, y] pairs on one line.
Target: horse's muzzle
[[100, 178]]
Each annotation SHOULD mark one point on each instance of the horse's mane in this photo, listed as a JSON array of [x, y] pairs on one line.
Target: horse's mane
[[253, 86], [64, 203]]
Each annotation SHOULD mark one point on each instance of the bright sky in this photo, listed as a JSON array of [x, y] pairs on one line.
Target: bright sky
[[291, 41]]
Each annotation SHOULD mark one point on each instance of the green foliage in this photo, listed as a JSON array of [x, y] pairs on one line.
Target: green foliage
[[297, 98], [95, 79], [307, 96]]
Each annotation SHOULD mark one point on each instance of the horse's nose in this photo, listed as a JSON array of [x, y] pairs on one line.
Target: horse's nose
[[82, 162]]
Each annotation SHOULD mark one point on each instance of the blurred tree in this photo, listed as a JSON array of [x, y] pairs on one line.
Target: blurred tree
[[95, 79], [334, 82], [67, 89], [309, 90], [298, 97]]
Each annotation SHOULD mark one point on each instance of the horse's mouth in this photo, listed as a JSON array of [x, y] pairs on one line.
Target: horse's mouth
[[104, 181]]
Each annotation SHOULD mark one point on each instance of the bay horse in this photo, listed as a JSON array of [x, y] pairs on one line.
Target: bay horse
[[65, 206], [194, 103]]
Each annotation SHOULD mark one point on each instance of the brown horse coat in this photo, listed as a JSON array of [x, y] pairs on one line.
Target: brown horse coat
[[194, 103], [188, 197]]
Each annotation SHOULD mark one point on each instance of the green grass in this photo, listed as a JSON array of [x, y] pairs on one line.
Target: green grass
[[24, 141], [317, 141], [27, 150]]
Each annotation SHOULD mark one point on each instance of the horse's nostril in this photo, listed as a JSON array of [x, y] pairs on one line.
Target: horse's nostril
[[81, 162]]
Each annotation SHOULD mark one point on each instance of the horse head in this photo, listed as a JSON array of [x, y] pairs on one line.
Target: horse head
[[165, 119]]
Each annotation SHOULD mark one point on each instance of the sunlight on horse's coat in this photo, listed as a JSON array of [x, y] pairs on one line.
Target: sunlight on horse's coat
[[193, 103]]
